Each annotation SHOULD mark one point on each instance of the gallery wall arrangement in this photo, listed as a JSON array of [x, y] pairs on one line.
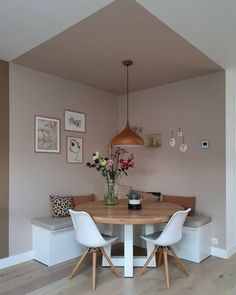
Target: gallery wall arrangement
[[47, 135]]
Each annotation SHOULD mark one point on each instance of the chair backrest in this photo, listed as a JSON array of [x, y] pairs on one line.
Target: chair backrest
[[87, 233], [172, 232]]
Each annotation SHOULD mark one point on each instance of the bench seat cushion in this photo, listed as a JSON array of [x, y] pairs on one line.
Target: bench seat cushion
[[197, 220], [53, 224]]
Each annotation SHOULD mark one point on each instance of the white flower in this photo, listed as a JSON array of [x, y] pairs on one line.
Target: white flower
[[96, 156]]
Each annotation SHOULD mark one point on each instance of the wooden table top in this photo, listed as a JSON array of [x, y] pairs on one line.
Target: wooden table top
[[153, 211]]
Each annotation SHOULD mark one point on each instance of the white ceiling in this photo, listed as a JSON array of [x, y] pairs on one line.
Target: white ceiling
[[25, 24], [207, 24]]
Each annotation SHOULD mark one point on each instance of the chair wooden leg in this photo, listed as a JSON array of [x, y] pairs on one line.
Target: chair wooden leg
[[160, 256], [178, 262], [78, 264], [148, 260], [166, 267], [94, 268], [113, 269]]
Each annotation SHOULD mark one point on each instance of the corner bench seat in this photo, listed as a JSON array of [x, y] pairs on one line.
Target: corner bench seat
[[54, 240], [197, 220], [53, 223]]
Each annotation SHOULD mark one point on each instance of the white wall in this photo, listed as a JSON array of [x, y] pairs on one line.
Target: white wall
[[198, 107], [230, 161], [34, 176]]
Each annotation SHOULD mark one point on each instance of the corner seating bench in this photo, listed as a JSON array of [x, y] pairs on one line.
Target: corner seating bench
[[196, 241], [54, 239], [195, 244]]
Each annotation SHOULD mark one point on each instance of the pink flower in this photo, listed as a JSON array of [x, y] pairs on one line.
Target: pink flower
[[110, 162], [124, 164]]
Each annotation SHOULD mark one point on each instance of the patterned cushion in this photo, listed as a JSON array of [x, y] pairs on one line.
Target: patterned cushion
[[61, 205]]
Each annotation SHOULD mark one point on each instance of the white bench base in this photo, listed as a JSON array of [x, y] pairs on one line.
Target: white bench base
[[195, 244], [52, 247]]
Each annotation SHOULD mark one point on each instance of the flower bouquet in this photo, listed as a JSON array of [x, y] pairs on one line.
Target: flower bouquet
[[116, 163]]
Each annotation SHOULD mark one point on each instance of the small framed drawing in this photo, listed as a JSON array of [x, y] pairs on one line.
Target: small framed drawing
[[47, 135], [74, 121], [74, 147]]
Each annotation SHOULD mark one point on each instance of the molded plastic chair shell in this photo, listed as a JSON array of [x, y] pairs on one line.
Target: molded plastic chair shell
[[86, 230], [172, 232]]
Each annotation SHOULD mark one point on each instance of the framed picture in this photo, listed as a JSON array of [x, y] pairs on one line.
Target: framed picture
[[74, 148], [74, 121], [47, 135]]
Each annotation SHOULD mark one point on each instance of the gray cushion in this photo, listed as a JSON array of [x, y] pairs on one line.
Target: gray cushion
[[52, 223], [197, 220]]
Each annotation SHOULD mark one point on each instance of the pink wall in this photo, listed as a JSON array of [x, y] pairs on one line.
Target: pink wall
[[34, 176], [198, 107]]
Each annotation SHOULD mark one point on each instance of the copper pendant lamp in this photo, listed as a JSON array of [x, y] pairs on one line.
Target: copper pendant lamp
[[127, 137]]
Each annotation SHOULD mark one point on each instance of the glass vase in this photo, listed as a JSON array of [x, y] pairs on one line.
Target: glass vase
[[111, 192]]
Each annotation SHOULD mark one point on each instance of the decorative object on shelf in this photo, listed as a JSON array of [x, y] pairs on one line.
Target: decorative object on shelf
[[135, 200], [127, 137], [117, 162], [74, 121], [47, 135], [74, 149], [152, 140], [183, 147], [172, 141]]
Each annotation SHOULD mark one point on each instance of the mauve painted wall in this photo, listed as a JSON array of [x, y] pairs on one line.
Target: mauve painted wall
[[198, 107], [34, 176]]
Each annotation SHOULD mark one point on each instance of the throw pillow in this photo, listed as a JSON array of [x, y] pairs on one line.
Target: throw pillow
[[186, 202], [61, 205], [149, 195], [77, 200]]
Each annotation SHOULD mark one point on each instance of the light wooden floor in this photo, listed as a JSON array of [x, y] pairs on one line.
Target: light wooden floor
[[213, 276]]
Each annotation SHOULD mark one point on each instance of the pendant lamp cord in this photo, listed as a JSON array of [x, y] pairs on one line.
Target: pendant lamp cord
[[127, 87]]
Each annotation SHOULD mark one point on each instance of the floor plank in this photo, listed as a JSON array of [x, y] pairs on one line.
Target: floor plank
[[214, 276]]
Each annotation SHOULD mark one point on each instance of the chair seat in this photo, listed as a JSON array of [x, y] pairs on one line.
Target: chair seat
[[152, 237]]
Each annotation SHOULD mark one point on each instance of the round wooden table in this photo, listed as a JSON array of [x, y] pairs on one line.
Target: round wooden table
[[152, 212]]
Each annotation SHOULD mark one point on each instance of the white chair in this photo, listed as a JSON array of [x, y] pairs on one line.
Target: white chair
[[171, 235], [88, 235]]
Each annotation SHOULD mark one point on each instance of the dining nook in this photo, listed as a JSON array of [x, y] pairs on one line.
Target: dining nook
[[117, 147]]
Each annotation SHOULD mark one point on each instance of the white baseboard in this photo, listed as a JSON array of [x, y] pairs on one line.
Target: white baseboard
[[231, 251], [16, 259], [218, 252], [223, 253]]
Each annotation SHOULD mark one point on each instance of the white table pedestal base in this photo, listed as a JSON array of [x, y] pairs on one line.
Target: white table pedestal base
[[128, 261]]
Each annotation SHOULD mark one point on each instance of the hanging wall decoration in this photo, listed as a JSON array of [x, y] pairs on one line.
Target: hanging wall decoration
[[172, 142]]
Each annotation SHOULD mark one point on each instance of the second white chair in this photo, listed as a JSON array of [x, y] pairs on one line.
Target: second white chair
[[163, 240], [88, 235]]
